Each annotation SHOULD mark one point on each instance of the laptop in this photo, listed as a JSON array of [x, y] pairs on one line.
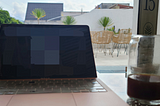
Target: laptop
[[51, 65]]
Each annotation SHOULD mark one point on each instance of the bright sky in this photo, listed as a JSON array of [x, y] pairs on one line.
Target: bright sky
[[17, 8]]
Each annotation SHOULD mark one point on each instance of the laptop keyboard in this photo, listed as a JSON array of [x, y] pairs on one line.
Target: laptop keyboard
[[50, 86]]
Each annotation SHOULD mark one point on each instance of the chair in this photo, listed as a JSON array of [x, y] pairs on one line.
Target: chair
[[123, 38], [93, 36], [125, 31], [93, 39], [103, 39]]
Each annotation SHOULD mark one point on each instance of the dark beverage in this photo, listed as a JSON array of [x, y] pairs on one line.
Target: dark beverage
[[144, 86]]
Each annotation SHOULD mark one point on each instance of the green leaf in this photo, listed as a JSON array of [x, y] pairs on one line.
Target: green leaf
[[69, 20], [6, 19], [38, 13], [105, 22]]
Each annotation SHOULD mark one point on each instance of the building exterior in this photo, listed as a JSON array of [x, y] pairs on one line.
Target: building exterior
[[71, 13], [108, 5], [54, 13], [51, 9], [119, 6], [121, 18]]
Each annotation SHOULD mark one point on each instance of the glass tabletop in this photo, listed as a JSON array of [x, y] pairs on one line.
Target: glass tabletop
[[117, 82]]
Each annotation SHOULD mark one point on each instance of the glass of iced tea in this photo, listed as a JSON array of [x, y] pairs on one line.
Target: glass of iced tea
[[144, 69]]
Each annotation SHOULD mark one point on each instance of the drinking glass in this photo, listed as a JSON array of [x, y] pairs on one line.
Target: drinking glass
[[143, 69]]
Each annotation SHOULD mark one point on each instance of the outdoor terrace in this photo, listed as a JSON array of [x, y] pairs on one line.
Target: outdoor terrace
[[108, 64]]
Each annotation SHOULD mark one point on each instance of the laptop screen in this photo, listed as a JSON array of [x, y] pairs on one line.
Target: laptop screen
[[46, 51]]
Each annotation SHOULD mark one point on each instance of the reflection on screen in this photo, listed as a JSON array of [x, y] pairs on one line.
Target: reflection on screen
[[46, 51]]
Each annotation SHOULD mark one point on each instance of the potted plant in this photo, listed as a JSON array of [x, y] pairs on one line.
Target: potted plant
[[69, 20], [105, 22], [38, 13]]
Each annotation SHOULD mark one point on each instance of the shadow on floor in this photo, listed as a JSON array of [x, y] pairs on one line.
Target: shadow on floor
[[111, 69]]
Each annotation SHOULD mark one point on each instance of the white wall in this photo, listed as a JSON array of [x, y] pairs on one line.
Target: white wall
[[43, 22], [122, 18], [73, 14], [67, 13]]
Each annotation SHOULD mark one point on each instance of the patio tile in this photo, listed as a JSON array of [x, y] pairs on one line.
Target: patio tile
[[107, 62]]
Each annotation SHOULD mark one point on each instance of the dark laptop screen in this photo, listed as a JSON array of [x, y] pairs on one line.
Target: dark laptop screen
[[46, 51]]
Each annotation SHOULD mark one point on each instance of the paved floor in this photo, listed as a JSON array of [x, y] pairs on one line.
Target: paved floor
[[107, 62]]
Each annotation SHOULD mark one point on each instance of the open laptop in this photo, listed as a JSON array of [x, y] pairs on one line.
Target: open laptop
[[51, 65]]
